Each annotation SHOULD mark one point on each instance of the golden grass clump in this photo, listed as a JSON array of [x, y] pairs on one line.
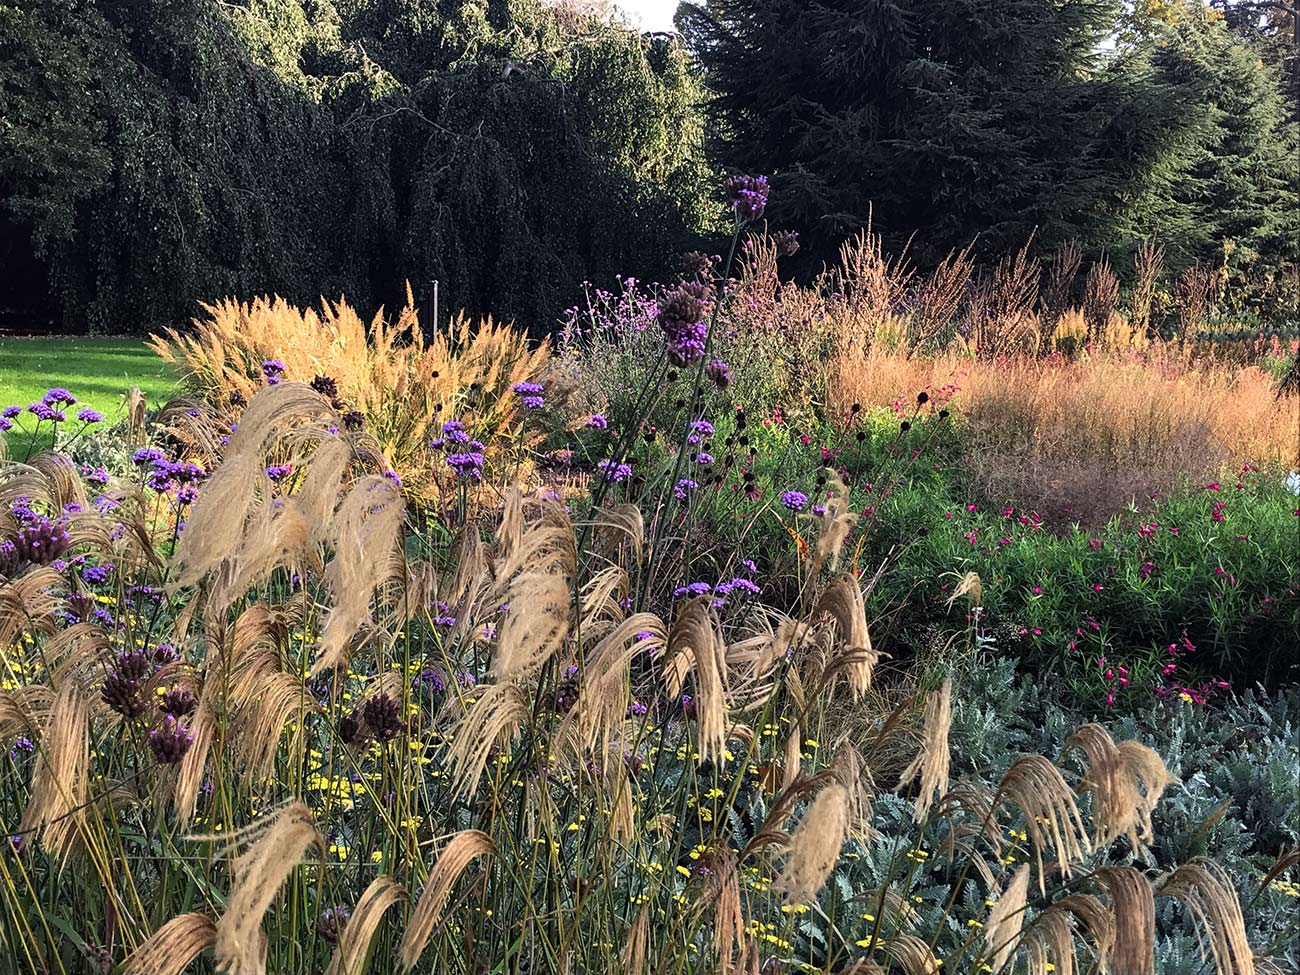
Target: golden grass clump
[[171, 949], [932, 759], [405, 384], [1125, 780]]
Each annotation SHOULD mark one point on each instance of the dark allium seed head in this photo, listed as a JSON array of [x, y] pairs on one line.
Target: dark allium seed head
[[821, 481], [672, 374], [325, 385], [170, 741], [743, 440], [123, 689], [350, 729], [680, 403], [905, 425], [860, 436], [922, 398], [943, 414], [353, 419], [855, 408], [237, 398], [179, 702], [330, 923], [383, 717]]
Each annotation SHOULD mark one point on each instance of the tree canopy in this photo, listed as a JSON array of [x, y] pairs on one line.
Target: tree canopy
[[158, 152]]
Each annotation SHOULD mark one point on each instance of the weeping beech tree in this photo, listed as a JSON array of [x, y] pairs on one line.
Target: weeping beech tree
[[158, 152]]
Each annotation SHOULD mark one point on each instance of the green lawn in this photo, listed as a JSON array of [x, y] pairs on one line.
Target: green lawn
[[99, 372]]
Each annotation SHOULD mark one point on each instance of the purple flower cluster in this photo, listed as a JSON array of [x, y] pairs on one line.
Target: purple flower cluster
[[531, 394], [464, 456], [170, 741], [272, 371], [40, 540], [597, 421], [786, 241], [684, 488], [89, 416], [719, 373], [165, 474], [681, 316], [615, 471], [278, 472], [747, 196], [794, 500]]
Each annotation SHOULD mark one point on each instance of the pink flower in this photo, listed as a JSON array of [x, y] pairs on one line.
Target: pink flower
[[1008, 512], [1213, 486], [948, 515], [972, 506], [1095, 544], [1097, 587], [1037, 590]]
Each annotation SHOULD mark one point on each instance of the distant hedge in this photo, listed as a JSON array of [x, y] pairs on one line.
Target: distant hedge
[[158, 152]]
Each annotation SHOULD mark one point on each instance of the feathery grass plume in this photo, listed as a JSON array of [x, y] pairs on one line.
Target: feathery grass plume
[[29, 603], [1048, 945], [604, 692], [24, 711], [136, 413], [276, 847], [842, 601], [853, 775], [214, 528], [1005, 921], [721, 892], [1096, 918], [282, 703], [170, 949], [793, 756], [455, 856], [833, 524], [534, 626], [276, 536], [636, 942], [1133, 909], [815, 845], [599, 602], [912, 955], [354, 940], [623, 522], [1126, 781], [932, 759], [368, 528], [498, 714], [773, 832], [1206, 890], [64, 481], [968, 585], [972, 829], [695, 648], [189, 775], [60, 780], [319, 492], [1051, 816]]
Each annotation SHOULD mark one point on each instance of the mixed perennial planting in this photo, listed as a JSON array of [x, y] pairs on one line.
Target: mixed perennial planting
[[381, 653]]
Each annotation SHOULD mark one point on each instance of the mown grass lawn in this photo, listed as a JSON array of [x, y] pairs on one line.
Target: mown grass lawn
[[98, 371]]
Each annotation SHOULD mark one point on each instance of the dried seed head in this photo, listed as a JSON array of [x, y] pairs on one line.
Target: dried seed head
[[932, 759], [123, 689], [170, 741], [815, 846], [383, 717]]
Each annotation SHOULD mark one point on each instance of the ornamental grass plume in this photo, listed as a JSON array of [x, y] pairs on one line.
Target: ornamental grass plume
[[60, 781], [834, 523], [1208, 894], [171, 949], [1006, 920], [457, 854], [912, 955], [695, 649], [855, 658], [1133, 911], [815, 846], [1125, 780], [930, 765], [495, 717], [354, 940], [1048, 945], [276, 846], [1051, 817]]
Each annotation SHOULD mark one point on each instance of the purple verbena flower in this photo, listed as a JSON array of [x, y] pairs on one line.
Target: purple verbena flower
[[794, 500], [747, 196], [87, 415]]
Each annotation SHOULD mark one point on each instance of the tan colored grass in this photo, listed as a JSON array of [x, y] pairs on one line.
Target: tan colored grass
[[815, 845], [695, 648], [276, 847], [1134, 915], [1006, 920], [407, 386], [855, 658], [458, 853], [1208, 894], [354, 940], [1094, 433], [497, 715], [1051, 817], [60, 780], [1125, 780], [171, 949], [930, 766]]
